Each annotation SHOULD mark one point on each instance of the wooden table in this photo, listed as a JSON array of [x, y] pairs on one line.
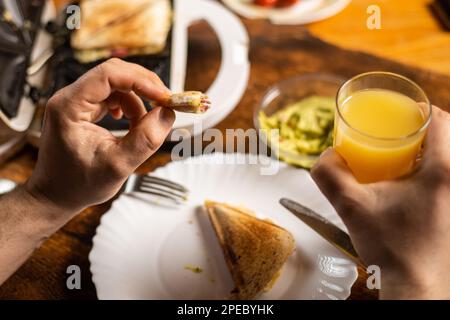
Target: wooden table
[[276, 53], [409, 33]]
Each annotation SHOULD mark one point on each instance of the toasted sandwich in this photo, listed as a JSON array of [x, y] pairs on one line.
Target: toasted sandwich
[[255, 250], [187, 102], [121, 28]]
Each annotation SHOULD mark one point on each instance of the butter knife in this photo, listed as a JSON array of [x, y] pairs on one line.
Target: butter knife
[[325, 228]]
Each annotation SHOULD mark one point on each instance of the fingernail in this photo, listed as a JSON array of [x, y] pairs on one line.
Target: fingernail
[[164, 91], [167, 90], [166, 116], [163, 94]]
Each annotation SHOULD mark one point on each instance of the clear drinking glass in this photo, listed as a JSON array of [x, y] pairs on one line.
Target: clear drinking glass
[[373, 157]]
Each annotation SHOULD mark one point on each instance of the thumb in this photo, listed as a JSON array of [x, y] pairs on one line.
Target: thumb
[[337, 183], [145, 138], [437, 143]]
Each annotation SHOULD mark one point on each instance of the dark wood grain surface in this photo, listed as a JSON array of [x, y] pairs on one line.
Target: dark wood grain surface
[[276, 53]]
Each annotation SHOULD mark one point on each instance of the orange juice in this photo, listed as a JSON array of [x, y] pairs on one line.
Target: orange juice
[[378, 133]]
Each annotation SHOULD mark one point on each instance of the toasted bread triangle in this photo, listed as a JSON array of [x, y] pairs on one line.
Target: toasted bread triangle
[[255, 250]]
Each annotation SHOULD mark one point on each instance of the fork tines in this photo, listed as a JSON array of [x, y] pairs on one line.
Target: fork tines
[[164, 182], [163, 188]]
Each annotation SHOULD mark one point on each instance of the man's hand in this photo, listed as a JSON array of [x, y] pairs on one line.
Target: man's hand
[[81, 164], [403, 225]]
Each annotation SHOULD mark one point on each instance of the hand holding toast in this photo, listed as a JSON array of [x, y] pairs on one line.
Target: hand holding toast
[[80, 163]]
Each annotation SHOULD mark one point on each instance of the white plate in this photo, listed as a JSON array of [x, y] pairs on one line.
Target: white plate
[[141, 249], [304, 12]]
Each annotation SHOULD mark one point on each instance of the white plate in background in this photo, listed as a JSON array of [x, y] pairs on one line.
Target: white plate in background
[[304, 12], [141, 249]]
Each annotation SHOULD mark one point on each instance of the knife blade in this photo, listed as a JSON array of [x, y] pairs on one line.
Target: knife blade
[[325, 228]]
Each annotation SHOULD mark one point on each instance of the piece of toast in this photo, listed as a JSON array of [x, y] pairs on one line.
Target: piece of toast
[[188, 102], [255, 250]]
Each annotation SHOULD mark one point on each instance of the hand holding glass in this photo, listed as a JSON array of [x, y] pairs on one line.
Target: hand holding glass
[[381, 121]]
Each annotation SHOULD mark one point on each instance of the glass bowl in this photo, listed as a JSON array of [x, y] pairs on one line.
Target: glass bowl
[[289, 91]]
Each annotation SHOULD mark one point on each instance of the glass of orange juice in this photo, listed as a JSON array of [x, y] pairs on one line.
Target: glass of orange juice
[[380, 124]]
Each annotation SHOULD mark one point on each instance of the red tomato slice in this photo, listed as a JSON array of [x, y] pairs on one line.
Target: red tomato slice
[[265, 3], [286, 3]]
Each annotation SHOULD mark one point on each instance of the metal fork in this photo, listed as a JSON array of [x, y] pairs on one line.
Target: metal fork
[[158, 187]]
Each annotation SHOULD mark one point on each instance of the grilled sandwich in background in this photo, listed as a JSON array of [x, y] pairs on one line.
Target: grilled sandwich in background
[[121, 28]]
